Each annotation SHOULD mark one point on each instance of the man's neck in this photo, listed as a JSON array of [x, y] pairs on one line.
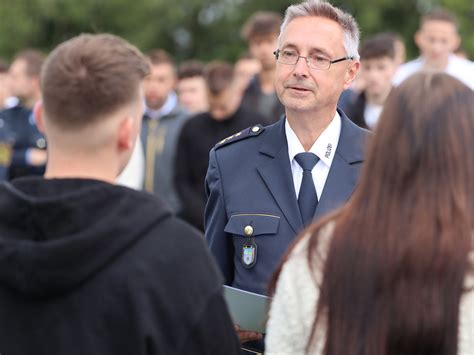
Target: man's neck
[[308, 126], [81, 165]]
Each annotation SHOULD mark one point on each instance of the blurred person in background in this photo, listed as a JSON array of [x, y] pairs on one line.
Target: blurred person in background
[[437, 39], [261, 33], [5, 136], [88, 267], [4, 85], [225, 118], [350, 96], [378, 65], [399, 46], [162, 123], [392, 272], [29, 145], [191, 87], [246, 67]]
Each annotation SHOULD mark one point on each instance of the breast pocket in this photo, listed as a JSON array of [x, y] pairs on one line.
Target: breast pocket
[[252, 225]]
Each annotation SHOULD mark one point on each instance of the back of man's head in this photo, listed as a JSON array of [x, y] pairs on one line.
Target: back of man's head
[[89, 77]]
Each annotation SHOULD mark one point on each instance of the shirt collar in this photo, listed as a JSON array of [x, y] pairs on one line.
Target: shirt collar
[[169, 105], [324, 147]]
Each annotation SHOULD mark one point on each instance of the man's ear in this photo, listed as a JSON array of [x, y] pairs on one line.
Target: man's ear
[[38, 115], [126, 134], [351, 73]]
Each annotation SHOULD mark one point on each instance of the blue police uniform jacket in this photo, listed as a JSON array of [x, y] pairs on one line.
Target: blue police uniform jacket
[[249, 183]]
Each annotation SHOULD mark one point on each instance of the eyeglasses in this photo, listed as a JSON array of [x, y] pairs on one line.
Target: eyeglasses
[[315, 61]]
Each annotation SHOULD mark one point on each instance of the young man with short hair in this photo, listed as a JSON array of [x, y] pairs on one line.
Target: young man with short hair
[[191, 87], [437, 39], [88, 267], [261, 33], [378, 65], [224, 118], [164, 117]]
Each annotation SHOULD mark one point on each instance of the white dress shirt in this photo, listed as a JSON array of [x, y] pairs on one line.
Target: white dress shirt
[[324, 147]]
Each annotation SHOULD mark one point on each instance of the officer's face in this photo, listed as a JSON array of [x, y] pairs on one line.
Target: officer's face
[[301, 88], [159, 84]]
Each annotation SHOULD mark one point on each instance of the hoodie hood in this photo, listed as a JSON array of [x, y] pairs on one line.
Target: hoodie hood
[[57, 233]]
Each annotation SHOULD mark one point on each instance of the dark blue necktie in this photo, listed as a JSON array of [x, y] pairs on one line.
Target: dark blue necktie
[[307, 198]]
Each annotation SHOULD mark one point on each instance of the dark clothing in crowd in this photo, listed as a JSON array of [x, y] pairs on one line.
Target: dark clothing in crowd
[[268, 105], [87, 267], [354, 109], [24, 135], [198, 136]]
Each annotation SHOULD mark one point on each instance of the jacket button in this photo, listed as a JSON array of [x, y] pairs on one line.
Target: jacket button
[[248, 231]]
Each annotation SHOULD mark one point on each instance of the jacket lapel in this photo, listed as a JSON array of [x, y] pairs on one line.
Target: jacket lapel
[[276, 173], [344, 171]]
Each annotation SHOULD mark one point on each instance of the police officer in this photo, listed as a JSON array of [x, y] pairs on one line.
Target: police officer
[[266, 184]]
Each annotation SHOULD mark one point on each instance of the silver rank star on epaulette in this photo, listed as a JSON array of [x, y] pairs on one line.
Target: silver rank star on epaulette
[[248, 132]]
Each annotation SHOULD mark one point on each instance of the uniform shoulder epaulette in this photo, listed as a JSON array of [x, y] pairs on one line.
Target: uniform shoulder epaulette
[[246, 133]]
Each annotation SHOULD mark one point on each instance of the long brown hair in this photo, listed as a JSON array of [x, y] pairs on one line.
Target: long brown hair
[[395, 270]]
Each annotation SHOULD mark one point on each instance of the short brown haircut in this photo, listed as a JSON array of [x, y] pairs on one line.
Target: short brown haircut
[[34, 60], [261, 23], [440, 14], [378, 46], [219, 77], [90, 76], [191, 69]]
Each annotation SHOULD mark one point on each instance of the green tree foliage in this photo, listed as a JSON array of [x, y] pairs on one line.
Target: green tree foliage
[[204, 29]]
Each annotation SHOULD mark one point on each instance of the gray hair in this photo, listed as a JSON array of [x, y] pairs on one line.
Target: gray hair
[[322, 8]]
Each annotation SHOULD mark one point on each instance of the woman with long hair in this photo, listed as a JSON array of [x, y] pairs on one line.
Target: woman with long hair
[[392, 272]]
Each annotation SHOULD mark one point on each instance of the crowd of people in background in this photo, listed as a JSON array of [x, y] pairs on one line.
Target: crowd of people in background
[[206, 126], [167, 156]]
